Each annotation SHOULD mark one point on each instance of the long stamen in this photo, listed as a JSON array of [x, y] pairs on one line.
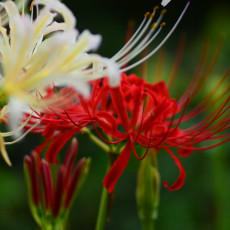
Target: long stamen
[[139, 36], [24, 134], [161, 43], [145, 43], [121, 53], [32, 5]]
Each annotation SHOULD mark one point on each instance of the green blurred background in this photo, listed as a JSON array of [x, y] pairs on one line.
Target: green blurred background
[[204, 201]]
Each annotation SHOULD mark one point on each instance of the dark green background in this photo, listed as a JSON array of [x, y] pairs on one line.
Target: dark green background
[[204, 201]]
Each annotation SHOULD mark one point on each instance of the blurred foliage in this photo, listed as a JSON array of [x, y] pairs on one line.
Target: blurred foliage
[[204, 201]]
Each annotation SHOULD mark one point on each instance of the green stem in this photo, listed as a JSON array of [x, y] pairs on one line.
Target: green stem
[[53, 228], [102, 214], [101, 219], [147, 224], [50, 227], [96, 140]]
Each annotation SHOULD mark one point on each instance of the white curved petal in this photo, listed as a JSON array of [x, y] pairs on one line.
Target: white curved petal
[[41, 23], [16, 113], [113, 73], [94, 41], [61, 9]]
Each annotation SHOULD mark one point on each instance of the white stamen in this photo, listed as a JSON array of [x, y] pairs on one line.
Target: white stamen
[[135, 38], [32, 15], [145, 43], [120, 52], [24, 134], [161, 43]]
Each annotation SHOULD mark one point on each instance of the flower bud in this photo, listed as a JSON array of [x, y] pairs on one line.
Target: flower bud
[[50, 200], [147, 193]]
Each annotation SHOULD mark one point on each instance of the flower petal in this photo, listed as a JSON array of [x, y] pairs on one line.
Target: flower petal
[[117, 168], [113, 73], [119, 104], [57, 144], [16, 113], [61, 9]]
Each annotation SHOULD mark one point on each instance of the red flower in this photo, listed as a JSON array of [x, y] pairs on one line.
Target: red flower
[[138, 112]]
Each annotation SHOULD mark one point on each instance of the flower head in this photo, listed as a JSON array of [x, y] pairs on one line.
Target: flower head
[[137, 112], [40, 52]]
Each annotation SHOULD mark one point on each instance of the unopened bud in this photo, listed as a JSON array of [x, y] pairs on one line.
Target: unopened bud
[[148, 189]]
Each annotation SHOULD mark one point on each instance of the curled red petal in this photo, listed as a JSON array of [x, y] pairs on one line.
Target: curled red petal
[[117, 168], [49, 130], [180, 180], [57, 144], [108, 124], [120, 107], [138, 98]]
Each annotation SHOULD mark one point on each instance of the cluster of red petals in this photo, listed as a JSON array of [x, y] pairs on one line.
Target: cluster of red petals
[[135, 112], [60, 194]]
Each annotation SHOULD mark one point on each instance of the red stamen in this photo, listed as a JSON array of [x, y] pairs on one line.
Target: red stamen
[[180, 181]]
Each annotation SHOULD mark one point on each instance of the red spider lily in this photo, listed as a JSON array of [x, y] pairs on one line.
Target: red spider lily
[[146, 114], [53, 198]]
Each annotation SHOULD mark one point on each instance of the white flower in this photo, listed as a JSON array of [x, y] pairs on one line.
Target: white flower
[[37, 53]]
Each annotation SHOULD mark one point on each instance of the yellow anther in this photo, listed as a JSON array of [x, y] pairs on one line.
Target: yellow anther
[[147, 14], [32, 5], [152, 16], [156, 8], [163, 24], [154, 25], [163, 11]]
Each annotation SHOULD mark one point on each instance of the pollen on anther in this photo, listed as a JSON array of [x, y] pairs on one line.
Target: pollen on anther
[[147, 14], [156, 8], [163, 11], [152, 16], [163, 24], [32, 5], [154, 25]]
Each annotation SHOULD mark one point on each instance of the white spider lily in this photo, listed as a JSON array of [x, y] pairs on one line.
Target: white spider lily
[[40, 52]]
